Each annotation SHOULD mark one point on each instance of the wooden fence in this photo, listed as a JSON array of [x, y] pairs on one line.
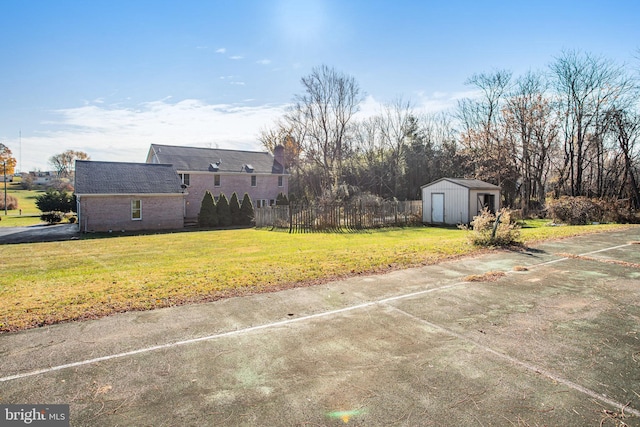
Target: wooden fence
[[305, 218]]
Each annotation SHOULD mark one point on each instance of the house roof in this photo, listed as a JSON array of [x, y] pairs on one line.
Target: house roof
[[471, 184], [125, 178], [196, 159]]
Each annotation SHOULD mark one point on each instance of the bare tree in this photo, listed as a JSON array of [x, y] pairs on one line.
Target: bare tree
[[321, 116], [64, 163], [532, 123], [483, 136], [587, 87], [625, 126]]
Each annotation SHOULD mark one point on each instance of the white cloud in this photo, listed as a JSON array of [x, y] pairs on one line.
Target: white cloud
[[264, 62], [221, 50], [124, 134], [236, 57]]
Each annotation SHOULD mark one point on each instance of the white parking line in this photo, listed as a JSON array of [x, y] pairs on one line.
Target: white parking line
[[525, 365], [261, 327]]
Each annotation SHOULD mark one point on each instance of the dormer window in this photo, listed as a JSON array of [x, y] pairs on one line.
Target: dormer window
[[214, 167], [248, 168]]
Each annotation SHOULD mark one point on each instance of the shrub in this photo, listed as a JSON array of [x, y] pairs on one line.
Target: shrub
[[491, 230], [575, 210], [282, 200], [52, 217], [54, 200], [224, 212], [208, 216], [234, 207], [12, 202], [27, 182], [246, 210]]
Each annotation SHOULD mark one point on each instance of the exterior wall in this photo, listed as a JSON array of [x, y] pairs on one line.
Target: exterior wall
[[113, 212], [199, 182], [475, 206], [456, 202]]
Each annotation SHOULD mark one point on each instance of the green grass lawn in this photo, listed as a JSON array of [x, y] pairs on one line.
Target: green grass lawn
[[47, 283], [26, 202]]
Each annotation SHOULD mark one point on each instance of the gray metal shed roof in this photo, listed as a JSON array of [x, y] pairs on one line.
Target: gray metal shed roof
[[94, 177], [197, 159], [472, 184]]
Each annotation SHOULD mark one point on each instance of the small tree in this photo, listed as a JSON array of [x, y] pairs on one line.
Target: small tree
[[246, 210], [234, 207], [224, 212], [494, 230], [208, 216], [282, 200], [56, 201]]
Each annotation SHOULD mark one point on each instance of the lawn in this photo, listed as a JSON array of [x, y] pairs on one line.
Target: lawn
[[47, 283], [30, 214]]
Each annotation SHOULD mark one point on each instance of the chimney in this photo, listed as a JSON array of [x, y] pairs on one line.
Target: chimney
[[278, 155]]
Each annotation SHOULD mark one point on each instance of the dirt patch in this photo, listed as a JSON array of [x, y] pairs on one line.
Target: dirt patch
[[607, 261], [491, 276]]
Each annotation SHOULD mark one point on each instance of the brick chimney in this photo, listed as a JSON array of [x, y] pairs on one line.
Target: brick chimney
[[278, 155]]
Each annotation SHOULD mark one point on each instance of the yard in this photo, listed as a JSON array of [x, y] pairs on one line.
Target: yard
[[47, 283], [28, 213]]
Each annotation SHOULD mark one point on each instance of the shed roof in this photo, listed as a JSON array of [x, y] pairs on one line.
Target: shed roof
[[94, 177], [214, 159], [472, 184]]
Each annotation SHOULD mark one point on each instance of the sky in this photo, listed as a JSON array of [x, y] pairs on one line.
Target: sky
[[111, 77]]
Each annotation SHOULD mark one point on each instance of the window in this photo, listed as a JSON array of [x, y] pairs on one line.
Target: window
[[280, 181], [185, 178], [136, 210], [254, 180], [216, 180]]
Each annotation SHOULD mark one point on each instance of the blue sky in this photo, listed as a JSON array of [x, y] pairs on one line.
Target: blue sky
[[111, 77]]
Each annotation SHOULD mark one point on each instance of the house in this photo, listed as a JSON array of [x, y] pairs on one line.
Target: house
[[256, 173], [43, 177], [128, 196], [456, 201]]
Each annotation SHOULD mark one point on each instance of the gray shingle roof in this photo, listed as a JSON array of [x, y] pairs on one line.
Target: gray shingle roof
[[194, 159], [472, 184], [125, 178]]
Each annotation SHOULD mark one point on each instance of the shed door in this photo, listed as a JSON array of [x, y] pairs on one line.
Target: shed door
[[437, 207]]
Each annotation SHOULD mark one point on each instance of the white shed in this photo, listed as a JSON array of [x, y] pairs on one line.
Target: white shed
[[456, 201]]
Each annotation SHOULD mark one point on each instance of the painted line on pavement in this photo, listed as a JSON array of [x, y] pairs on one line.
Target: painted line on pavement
[[523, 364], [253, 328]]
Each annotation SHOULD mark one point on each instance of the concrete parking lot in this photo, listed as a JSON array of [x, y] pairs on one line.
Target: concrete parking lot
[[553, 341]]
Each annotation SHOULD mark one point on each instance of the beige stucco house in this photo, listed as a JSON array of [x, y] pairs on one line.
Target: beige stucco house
[[115, 196], [456, 201]]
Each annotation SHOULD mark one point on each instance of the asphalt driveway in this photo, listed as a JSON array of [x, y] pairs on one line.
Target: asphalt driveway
[[553, 341], [39, 233]]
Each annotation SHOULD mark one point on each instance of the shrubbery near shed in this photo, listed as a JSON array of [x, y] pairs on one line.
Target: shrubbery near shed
[[488, 229], [582, 210]]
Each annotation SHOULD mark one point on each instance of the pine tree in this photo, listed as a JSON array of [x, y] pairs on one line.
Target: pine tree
[[224, 213], [282, 200], [208, 216], [246, 210], [234, 207]]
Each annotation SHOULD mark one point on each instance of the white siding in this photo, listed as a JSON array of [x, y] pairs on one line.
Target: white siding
[[456, 202]]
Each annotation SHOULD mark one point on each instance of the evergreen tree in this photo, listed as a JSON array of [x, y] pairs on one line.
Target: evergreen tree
[[208, 216], [234, 207], [246, 210], [224, 213], [282, 200]]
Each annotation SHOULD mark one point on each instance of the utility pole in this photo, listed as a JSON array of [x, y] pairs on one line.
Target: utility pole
[[5, 187]]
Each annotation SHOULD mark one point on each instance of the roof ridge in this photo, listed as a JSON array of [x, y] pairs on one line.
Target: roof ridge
[[209, 148]]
